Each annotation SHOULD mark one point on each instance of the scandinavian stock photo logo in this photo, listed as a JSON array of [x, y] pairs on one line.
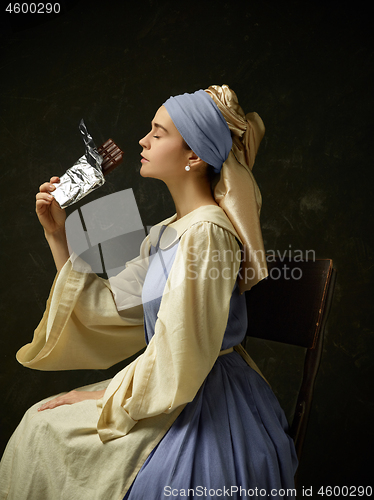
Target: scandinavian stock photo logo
[[107, 233]]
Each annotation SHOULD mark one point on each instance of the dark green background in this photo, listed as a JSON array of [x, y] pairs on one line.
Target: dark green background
[[306, 68]]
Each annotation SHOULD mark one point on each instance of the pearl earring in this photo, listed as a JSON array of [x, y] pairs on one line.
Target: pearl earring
[[187, 167]]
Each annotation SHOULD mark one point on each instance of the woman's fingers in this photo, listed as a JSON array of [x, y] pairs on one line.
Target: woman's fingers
[[71, 398], [51, 216], [44, 196], [43, 200], [47, 187], [65, 399]]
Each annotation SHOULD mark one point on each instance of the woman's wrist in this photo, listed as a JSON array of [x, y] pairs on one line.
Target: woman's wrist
[[58, 235], [59, 247]]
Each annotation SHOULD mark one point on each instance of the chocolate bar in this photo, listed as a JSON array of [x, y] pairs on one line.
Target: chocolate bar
[[112, 156], [87, 173]]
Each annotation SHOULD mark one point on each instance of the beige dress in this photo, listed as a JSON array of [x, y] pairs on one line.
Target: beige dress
[[94, 449]]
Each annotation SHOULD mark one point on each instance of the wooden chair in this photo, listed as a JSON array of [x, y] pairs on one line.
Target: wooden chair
[[291, 306]]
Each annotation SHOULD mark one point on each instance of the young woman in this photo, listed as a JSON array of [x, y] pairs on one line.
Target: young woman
[[192, 415]]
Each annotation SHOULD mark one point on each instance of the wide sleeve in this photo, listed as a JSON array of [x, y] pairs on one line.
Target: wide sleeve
[[189, 330], [82, 327]]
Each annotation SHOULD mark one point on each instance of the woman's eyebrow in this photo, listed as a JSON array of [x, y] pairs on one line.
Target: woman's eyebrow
[[157, 125]]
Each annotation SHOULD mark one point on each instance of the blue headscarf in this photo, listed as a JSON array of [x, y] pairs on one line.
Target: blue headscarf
[[202, 126]]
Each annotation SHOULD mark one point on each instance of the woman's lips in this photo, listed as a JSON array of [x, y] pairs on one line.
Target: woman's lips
[[144, 160]]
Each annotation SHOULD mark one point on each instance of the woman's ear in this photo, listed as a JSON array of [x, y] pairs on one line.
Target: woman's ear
[[195, 161]]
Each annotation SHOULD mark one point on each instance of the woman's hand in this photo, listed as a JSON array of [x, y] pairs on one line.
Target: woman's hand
[[51, 216], [71, 398]]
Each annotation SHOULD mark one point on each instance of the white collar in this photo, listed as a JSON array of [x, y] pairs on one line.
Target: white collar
[[175, 228]]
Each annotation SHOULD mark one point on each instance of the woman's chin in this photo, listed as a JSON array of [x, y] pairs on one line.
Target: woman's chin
[[147, 172], [144, 172]]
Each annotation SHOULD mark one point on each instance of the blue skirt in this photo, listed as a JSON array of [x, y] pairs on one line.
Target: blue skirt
[[231, 439]]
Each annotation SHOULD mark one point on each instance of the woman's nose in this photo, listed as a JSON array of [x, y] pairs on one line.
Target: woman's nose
[[143, 142]]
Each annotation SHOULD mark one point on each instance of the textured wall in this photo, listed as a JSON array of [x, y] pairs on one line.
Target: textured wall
[[306, 70]]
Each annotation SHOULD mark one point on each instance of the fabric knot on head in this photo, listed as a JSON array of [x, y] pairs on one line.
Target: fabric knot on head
[[245, 143]]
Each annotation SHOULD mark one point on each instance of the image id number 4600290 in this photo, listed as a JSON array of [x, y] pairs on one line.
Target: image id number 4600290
[[338, 491], [33, 8]]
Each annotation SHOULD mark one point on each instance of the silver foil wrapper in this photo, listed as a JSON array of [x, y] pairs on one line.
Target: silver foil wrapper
[[83, 177]]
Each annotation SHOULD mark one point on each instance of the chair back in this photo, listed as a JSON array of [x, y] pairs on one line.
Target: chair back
[[291, 306]]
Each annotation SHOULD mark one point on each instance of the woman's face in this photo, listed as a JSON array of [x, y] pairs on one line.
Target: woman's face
[[164, 154]]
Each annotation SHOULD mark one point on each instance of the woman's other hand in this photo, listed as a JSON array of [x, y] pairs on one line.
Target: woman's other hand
[[51, 216], [71, 398]]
